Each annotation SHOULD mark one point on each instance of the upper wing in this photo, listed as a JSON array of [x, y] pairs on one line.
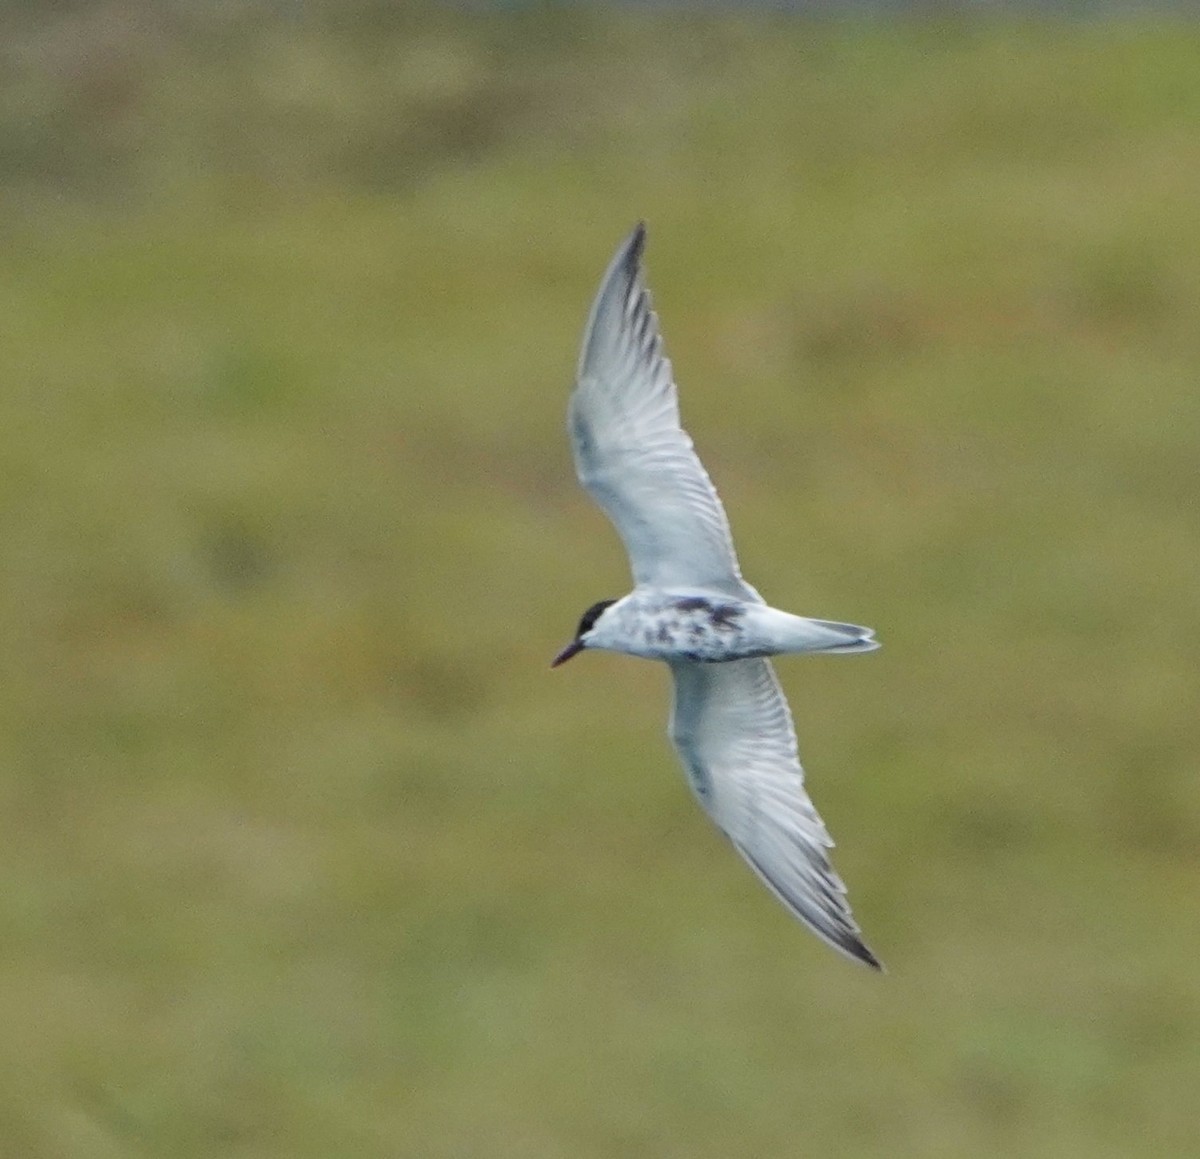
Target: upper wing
[[630, 451], [733, 731]]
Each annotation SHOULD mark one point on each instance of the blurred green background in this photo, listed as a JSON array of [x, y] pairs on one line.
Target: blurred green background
[[304, 851]]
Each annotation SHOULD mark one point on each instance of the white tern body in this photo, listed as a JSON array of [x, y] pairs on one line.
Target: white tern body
[[691, 608]]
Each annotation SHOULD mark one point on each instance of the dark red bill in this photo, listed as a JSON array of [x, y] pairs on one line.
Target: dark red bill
[[570, 650]]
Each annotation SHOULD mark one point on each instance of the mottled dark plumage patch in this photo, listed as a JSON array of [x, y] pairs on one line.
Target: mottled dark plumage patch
[[725, 615], [720, 615], [664, 634]]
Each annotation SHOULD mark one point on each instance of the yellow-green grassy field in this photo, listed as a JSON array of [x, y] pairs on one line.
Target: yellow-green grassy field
[[305, 853]]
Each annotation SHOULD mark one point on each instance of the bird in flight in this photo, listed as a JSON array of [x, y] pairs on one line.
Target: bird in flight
[[691, 608]]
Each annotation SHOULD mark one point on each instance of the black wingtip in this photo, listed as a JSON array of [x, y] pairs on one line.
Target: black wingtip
[[860, 953], [635, 244]]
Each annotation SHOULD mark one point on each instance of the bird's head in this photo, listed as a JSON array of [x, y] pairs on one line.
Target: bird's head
[[586, 623]]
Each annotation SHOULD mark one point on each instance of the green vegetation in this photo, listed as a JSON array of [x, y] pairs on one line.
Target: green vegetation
[[304, 852]]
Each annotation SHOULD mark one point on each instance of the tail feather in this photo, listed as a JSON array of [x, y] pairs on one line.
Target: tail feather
[[831, 636]]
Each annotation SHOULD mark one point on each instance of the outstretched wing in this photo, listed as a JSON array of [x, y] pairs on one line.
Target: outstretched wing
[[632, 455], [733, 731]]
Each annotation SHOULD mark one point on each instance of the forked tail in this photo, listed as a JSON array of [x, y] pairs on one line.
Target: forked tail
[[830, 636]]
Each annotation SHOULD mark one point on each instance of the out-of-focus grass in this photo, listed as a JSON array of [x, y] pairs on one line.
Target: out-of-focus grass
[[303, 851]]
